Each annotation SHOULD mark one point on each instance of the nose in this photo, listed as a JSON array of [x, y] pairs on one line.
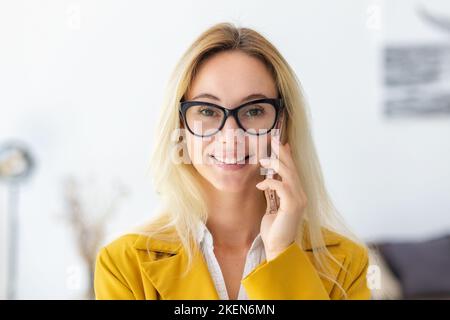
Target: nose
[[229, 131], [231, 123]]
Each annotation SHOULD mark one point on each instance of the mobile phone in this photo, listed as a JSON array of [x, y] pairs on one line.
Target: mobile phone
[[271, 195]]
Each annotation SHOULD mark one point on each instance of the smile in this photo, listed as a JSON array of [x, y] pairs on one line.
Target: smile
[[230, 161]]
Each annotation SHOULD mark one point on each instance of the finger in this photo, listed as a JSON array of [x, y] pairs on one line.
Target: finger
[[284, 198], [277, 166], [273, 184]]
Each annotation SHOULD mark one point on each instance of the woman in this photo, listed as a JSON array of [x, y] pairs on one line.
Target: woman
[[215, 237]]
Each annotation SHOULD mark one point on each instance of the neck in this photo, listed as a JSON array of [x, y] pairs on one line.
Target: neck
[[234, 218]]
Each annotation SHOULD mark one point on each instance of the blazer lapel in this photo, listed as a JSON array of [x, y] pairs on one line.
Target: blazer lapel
[[166, 273]]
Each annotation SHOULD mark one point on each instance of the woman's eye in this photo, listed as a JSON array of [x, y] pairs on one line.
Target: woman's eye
[[207, 112], [254, 112]]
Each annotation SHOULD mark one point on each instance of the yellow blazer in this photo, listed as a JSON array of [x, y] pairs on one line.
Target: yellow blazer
[[126, 270]]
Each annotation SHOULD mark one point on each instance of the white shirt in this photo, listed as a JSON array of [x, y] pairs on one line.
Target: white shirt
[[255, 256]]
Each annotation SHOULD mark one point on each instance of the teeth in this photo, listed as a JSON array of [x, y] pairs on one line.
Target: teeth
[[229, 161]]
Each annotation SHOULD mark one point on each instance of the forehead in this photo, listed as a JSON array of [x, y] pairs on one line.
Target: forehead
[[232, 75]]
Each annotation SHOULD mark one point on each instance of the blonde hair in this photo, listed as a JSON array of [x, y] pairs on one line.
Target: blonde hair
[[183, 201]]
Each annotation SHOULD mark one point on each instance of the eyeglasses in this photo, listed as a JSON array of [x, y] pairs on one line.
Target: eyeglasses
[[204, 119]]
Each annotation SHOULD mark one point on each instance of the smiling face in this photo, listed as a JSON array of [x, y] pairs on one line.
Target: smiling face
[[230, 79]]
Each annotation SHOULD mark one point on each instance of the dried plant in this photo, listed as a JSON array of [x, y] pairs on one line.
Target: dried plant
[[88, 221]]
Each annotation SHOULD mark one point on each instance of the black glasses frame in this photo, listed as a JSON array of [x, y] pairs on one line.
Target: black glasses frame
[[185, 105]]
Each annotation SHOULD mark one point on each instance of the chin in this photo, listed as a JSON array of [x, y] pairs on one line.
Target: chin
[[239, 181], [230, 186]]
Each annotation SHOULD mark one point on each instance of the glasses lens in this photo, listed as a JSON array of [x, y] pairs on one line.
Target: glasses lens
[[204, 119], [258, 117]]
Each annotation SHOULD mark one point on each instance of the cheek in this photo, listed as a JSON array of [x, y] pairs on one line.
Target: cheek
[[196, 147]]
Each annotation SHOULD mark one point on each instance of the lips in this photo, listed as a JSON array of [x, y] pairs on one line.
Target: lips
[[230, 161]]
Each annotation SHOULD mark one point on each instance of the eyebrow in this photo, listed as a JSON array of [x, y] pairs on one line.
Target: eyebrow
[[247, 98]]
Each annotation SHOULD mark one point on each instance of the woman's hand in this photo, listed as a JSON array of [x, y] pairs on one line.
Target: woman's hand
[[278, 230]]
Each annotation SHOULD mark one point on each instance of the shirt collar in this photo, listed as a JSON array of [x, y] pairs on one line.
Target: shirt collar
[[204, 237]]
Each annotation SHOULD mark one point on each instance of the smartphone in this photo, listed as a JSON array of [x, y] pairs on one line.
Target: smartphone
[[271, 195]]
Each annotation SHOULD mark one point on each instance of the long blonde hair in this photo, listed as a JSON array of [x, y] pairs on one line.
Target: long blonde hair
[[183, 201]]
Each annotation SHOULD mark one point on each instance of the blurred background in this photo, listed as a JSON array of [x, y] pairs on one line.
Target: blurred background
[[81, 83]]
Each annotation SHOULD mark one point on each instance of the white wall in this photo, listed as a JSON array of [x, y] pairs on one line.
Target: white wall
[[3, 243], [81, 83]]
